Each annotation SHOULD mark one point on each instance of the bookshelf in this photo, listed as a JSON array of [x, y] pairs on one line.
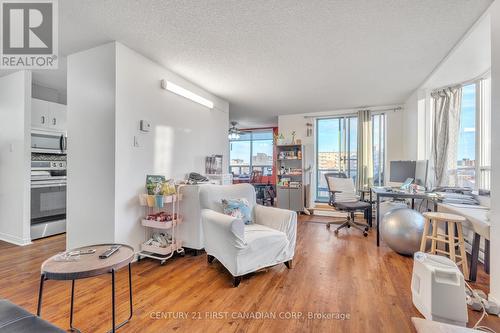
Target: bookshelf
[[290, 177]]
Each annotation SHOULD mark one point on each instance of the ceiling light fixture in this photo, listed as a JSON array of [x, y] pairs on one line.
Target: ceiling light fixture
[[234, 133], [172, 87]]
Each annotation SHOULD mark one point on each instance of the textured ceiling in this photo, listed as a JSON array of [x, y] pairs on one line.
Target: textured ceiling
[[280, 57]]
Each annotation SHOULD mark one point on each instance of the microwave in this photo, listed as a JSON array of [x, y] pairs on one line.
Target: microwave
[[48, 142]]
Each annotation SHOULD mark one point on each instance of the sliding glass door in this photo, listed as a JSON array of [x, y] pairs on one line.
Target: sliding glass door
[[336, 151]]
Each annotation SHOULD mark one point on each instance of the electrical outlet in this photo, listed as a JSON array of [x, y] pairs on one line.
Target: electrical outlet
[[136, 141]]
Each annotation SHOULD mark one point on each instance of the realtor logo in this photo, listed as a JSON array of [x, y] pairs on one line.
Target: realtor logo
[[29, 34]]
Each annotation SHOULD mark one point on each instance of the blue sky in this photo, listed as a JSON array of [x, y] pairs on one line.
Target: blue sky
[[467, 140], [328, 134], [241, 149]]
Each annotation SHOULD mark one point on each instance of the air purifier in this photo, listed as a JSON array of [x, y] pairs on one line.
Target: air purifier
[[438, 289]]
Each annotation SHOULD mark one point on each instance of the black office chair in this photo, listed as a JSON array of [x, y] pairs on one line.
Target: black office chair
[[343, 197]]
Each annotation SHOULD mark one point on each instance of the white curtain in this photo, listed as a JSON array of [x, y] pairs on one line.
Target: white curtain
[[365, 150], [445, 132]]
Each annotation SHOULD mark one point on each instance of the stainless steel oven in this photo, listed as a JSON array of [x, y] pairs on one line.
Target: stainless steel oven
[[48, 142], [48, 194]]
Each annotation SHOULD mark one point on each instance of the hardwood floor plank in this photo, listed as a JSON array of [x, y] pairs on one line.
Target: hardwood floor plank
[[344, 275]]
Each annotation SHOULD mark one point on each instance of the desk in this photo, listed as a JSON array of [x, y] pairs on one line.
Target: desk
[[478, 222], [382, 192]]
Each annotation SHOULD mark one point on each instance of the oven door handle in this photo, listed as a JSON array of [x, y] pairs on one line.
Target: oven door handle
[[48, 185], [47, 150]]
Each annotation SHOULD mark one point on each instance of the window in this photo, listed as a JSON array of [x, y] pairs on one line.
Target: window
[[474, 138], [253, 151], [466, 152], [484, 167], [337, 150], [473, 142]]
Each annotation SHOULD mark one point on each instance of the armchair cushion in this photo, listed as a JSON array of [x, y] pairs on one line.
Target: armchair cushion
[[282, 220]]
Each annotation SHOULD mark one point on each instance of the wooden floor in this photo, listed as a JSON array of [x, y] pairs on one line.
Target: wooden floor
[[332, 276]]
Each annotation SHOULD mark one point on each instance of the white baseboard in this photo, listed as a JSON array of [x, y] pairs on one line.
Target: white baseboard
[[14, 239]]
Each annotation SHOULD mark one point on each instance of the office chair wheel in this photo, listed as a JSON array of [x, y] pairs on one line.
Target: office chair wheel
[[365, 234], [367, 228], [328, 225], [348, 225], [336, 232]]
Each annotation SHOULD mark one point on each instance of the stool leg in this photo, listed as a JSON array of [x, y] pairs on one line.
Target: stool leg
[[451, 241], [434, 237], [424, 236], [463, 254]]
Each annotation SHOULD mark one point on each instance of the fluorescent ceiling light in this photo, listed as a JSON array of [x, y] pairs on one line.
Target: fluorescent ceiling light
[[172, 87]]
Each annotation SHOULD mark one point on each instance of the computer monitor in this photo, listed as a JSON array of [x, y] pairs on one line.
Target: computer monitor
[[421, 172], [402, 170]]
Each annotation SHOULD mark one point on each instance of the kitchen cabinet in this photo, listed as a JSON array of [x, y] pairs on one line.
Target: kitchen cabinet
[[39, 113], [57, 116], [48, 115]]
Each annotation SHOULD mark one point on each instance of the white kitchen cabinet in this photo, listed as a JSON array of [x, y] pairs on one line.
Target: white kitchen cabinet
[[48, 115], [39, 113], [57, 114]]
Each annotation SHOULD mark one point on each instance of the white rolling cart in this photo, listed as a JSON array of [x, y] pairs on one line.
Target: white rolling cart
[[170, 206]]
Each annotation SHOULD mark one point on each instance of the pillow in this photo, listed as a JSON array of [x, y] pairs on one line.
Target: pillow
[[238, 208]]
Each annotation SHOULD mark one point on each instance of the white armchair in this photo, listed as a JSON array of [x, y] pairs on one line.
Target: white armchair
[[242, 248]]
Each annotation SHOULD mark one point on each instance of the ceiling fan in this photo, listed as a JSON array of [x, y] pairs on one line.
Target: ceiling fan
[[234, 133]]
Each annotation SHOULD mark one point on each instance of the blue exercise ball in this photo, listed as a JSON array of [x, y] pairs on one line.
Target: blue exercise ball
[[402, 229]]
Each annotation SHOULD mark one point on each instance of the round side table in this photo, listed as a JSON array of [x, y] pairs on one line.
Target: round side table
[[89, 265]]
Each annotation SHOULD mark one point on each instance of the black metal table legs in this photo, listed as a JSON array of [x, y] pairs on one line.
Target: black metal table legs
[[71, 328], [378, 220], [40, 293], [113, 302], [115, 327]]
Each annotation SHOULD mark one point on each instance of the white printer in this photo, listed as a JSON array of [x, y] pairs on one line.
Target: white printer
[[438, 289]]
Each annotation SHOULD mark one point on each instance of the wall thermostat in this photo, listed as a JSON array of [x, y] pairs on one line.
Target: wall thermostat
[[145, 126]]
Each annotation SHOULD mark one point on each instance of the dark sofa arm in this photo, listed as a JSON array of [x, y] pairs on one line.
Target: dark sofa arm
[[15, 319]]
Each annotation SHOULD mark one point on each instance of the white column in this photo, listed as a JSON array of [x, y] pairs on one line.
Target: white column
[[495, 153]]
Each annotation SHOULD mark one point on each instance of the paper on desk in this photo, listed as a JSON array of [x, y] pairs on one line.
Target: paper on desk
[[467, 206]]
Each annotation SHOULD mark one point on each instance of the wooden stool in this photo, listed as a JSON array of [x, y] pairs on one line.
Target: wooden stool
[[451, 221]]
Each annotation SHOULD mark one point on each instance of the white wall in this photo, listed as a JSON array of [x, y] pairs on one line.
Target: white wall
[[410, 118], [15, 112], [127, 86], [289, 123], [91, 146], [183, 133], [470, 58], [393, 143], [495, 156]]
